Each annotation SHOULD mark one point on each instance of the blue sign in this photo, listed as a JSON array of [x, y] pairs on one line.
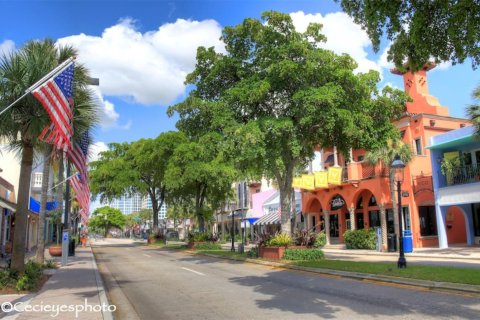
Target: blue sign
[[65, 236]]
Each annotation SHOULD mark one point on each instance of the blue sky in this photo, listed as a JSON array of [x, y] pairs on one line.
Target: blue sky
[[141, 50]]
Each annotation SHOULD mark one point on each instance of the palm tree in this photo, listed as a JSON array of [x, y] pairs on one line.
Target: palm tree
[[22, 124], [385, 156], [473, 110]]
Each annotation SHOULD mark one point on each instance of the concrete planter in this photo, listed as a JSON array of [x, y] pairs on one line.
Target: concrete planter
[[55, 251], [271, 253]]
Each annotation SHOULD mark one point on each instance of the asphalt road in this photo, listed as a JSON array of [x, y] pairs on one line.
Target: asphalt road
[[159, 284]]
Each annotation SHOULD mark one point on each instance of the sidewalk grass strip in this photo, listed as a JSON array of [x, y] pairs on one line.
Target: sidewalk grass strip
[[431, 273]]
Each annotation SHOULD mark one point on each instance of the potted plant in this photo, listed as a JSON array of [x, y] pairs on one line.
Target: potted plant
[[274, 248], [56, 218], [448, 166]]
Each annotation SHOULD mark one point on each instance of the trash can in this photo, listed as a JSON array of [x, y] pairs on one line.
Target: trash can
[[407, 241], [392, 242], [71, 247]]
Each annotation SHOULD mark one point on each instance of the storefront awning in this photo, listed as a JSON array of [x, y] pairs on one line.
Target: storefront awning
[[7, 205], [35, 205], [271, 218]]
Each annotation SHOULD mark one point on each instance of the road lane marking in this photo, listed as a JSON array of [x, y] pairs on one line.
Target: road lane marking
[[128, 249], [199, 273], [146, 255]]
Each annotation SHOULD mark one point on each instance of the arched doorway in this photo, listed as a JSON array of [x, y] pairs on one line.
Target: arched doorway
[[338, 218], [455, 226], [313, 215]]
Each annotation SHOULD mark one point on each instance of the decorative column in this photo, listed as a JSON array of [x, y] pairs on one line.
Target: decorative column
[[383, 224], [322, 160], [353, 222], [351, 155], [326, 218], [335, 156]]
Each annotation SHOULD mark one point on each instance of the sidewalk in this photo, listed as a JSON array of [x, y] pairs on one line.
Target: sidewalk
[[76, 288]]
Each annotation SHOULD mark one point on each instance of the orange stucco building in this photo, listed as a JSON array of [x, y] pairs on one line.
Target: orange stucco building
[[363, 200]]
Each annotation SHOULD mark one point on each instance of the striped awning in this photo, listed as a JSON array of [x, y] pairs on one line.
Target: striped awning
[[271, 218]]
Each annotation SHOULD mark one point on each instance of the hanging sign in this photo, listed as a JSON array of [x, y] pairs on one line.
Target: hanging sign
[[335, 175], [321, 179], [308, 181], [337, 202], [297, 183]]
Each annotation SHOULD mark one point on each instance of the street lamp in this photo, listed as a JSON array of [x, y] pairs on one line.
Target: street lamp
[[398, 166]]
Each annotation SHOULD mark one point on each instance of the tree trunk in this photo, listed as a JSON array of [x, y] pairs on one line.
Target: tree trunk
[[18, 250], [285, 202], [40, 256]]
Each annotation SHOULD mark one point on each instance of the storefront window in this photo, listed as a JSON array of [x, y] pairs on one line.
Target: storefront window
[[476, 219], [359, 222], [390, 221], [428, 221], [374, 218]]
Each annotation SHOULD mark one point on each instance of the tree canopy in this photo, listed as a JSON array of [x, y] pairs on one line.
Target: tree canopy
[[137, 167], [105, 218], [275, 95], [421, 30]]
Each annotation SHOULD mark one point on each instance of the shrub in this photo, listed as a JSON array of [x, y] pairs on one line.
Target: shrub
[[360, 239], [280, 240], [320, 240], [252, 253], [33, 270], [202, 237], [50, 264], [304, 238], [208, 246], [7, 278], [303, 254], [263, 238]]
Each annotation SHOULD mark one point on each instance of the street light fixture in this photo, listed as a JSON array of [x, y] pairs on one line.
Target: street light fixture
[[399, 166]]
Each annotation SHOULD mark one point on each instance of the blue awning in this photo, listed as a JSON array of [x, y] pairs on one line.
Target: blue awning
[[35, 205]]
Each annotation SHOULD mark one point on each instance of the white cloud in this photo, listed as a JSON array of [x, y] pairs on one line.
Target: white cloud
[[443, 66], [95, 149], [343, 36], [383, 60], [6, 47], [107, 114], [149, 67]]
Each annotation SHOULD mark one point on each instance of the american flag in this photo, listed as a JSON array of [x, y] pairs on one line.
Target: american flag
[[50, 135], [82, 191], [56, 96], [78, 155]]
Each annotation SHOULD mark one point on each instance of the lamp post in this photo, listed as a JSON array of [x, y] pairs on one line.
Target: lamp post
[[399, 166], [233, 232]]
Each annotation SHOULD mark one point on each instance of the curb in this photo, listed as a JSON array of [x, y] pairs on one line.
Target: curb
[[395, 254], [431, 285], [101, 288]]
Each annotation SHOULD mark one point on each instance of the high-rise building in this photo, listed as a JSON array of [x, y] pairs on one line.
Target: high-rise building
[[130, 204], [147, 203]]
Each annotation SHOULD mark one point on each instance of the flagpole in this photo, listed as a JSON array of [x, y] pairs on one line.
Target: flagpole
[[73, 175], [58, 69]]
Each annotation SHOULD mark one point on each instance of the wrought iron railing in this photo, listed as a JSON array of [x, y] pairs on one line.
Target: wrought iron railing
[[461, 175], [371, 171]]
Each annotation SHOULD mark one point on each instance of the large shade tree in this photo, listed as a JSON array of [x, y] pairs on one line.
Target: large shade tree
[[199, 177], [421, 30], [105, 218], [275, 95], [137, 167], [21, 125]]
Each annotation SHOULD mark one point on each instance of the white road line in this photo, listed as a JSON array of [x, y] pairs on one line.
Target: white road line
[[199, 273], [146, 255], [128, 249]]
